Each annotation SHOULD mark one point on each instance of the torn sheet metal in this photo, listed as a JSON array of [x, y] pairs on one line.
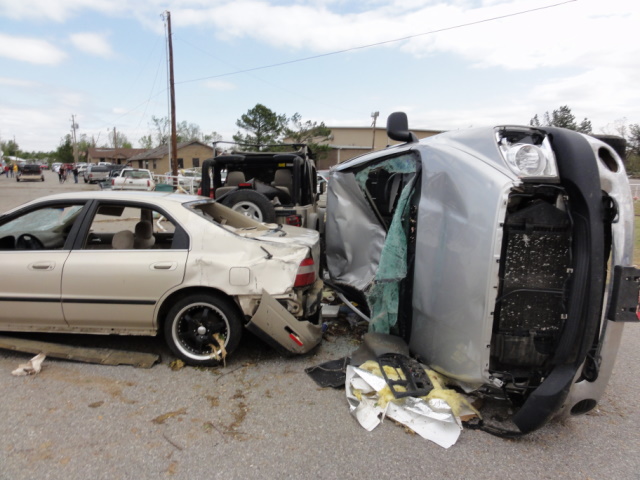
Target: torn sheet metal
[[102, 356], [370, 401], [350, 259], [276, 326], [373, 203]]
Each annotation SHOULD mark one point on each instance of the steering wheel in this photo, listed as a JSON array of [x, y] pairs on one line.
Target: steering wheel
[[26, 241]]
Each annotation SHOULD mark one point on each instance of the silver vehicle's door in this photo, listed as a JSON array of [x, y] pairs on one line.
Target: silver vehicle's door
[[118, 288]]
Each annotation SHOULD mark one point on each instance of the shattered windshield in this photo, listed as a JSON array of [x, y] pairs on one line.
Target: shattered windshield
[[44, 219]]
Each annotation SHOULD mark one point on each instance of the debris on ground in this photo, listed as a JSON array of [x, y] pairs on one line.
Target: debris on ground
[[177, 364], [435, 417], [382, 380], [329, 374], [32, 367], [103, 356]]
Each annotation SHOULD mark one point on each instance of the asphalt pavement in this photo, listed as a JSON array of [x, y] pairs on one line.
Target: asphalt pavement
[[260, 416]]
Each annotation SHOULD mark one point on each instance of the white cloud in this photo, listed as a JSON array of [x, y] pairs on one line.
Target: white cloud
[[17, 82], [219, 85], [30, 50], [56, 10], [92, 43]]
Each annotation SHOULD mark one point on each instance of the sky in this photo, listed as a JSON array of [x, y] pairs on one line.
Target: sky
[[449, 64]]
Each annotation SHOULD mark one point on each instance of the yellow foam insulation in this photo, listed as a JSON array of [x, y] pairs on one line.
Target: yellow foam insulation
[[454, 399]]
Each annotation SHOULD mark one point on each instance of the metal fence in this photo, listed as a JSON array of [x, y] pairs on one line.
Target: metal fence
[[184, 184]]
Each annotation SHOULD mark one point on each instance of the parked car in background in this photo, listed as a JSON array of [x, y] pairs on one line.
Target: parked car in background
[[82, 167], [96, 173], [133, 179], [146, 263], [488, 250], [30, 172]]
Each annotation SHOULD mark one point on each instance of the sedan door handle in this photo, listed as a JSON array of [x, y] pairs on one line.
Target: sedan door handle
[[42, 266], [164, 266]]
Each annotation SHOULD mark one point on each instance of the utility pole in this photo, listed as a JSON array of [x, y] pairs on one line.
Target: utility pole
[[174, 142], [374, 115], [74, 127]]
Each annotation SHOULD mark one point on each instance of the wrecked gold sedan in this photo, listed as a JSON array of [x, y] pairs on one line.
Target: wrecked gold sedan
[[140, 263]]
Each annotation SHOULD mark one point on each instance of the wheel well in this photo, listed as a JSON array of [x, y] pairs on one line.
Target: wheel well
[[180, 294]]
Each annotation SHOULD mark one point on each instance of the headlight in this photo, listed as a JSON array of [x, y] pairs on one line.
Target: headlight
[[527, 153]]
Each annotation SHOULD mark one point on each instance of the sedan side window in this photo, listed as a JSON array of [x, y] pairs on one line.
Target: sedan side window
[[125, 227], [45, 228]]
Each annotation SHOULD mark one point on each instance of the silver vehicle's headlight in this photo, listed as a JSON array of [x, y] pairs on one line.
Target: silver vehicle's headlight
[[528, 160]]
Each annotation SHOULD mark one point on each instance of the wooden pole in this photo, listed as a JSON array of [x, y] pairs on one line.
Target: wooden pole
[[174, 142]]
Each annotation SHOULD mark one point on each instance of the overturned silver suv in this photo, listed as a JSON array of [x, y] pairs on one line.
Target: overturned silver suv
[[501, 255]]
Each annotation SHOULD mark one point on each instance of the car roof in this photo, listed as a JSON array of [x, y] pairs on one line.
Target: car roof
[[160, 198]]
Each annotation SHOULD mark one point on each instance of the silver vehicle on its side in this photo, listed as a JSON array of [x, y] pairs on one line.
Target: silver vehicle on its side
[[501, 255]]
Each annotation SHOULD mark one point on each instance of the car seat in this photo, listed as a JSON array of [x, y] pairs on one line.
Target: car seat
[[283, 180], [233, 180], [122, 240], [143, 236]]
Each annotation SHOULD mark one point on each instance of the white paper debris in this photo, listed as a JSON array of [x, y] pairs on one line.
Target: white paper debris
[[32, 367], [432, 420]]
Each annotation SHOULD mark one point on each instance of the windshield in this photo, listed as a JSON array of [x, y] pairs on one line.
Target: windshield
[[42, 220]]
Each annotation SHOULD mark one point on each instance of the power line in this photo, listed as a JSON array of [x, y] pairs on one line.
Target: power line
[[361, 47]]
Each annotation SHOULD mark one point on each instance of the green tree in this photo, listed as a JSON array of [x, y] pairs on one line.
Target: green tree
[[161, 131], [315, 135], [212, 137], [9, 148], [262, 127], [185, 132], [633, 139], [120, 141], [564, 118], [146, 141], [64, 152]]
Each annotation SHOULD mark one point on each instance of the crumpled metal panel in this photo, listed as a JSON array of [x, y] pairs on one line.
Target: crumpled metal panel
[[275, 325], [459, 237], [354, 235]]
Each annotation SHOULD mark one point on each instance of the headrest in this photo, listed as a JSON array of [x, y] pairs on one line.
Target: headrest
[[234, 178], [122, 240], [144, 235]]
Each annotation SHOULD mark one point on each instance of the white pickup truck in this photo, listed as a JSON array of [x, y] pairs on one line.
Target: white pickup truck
[[133, 179]]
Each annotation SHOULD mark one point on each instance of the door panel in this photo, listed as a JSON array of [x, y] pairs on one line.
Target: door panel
[[30, 288], [118, 288]]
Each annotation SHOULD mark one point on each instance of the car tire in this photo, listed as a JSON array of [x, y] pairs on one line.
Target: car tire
[[191, 323], [252, 204]]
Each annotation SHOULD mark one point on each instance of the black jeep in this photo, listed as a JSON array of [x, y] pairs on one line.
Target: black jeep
[[272, 187]]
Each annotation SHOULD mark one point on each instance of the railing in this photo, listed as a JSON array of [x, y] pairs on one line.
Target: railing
[[188, 185]]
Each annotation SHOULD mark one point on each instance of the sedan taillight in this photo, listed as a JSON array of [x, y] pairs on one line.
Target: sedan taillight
[[306, 273]]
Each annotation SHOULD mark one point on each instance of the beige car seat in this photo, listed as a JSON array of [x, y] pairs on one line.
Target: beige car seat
[[233, 180]]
